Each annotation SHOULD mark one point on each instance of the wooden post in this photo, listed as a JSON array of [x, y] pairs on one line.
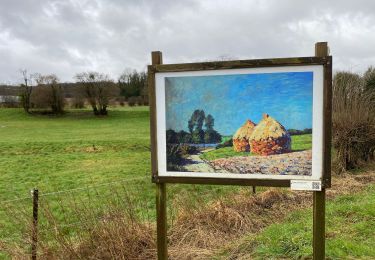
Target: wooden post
[[319, 224], [161, 211], [319, 197], [254, 189], [34, 238], [161, 193]]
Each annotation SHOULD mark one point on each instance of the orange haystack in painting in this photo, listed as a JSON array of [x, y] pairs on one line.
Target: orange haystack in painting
[[269, 137], [242, 136]]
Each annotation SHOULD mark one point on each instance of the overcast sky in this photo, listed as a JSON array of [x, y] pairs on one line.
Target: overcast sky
[[69, 36]]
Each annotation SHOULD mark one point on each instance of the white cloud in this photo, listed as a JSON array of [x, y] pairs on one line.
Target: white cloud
[[66, 37]]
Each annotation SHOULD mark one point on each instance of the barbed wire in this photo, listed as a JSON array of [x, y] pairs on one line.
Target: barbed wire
[[75, 189], [91, 186], [14, 200]]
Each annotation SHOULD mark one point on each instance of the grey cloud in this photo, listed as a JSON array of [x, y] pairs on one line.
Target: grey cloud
[[67, 37]]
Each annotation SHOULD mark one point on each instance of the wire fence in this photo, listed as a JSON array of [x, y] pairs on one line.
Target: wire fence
[[65, 217], [69, 210]]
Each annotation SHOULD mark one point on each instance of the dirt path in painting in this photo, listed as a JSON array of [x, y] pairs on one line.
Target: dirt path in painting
[[294, 163], [196, 164]]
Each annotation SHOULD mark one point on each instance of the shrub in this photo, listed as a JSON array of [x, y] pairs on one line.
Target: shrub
[[10, 102], [353, 120], [140, 101], [121, 101], [98, 89], [132, 101], [184, 137], [171, 137], [187, 149], [211, 136], [197, 136], [48, 94], [78, 102], [145, 100], [174, 157], [227, 143], [40, 98]]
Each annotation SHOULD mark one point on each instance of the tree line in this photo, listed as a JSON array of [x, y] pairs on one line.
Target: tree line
[[300, 132], [196, 134], [46, 92]]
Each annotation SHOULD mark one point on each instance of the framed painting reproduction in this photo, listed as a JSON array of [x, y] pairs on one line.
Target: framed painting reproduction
[[248, 122]]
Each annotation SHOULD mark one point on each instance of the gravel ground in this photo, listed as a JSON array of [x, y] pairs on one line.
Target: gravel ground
[[294, 163]]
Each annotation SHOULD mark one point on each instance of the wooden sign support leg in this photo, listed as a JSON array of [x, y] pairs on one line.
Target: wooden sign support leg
[[161, 189], [319, 224], [161, 207], [319, 197]]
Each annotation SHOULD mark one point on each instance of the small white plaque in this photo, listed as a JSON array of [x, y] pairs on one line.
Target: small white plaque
[[306, 185]]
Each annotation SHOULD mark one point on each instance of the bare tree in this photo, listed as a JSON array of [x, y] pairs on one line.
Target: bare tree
[[133, 83], [26, 90], [50, 92], [98, 88]]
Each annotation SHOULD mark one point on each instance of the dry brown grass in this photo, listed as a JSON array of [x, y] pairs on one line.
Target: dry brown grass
[[111, 231], [200, 233], [199, 230]]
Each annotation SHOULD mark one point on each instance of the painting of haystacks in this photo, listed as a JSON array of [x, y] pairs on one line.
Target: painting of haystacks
[[243, 124]]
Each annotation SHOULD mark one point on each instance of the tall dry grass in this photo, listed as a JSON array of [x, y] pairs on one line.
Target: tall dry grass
[[108, 223], [353, 119], [197, 229]]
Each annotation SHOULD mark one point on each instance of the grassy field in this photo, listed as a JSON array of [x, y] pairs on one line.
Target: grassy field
[[299, 143], [75, 151], [79, 151], [70, 151], [350, 232]]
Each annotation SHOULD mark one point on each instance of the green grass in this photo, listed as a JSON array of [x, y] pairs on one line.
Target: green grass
[[299, 143], [225, 138], [57, 153], [350, 231], [224, 152]]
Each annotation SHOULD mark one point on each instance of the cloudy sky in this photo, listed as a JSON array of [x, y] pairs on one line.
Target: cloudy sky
[[69, 36]]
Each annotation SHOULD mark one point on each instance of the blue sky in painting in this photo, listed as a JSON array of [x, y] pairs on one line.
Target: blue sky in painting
[[232, 99]]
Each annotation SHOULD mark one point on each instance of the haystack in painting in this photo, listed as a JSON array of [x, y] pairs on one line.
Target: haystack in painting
[[269, 137], [242, 136]]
